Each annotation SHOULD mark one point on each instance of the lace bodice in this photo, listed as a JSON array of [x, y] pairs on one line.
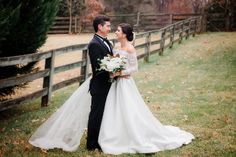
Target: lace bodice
[[132, 62]]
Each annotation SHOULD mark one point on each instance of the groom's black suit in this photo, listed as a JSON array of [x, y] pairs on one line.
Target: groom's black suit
[[99, 87]]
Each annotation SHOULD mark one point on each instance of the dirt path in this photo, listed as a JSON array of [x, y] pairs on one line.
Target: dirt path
[[57, 41]]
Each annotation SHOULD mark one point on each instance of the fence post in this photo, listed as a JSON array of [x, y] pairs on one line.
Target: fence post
[[85, 68], [194, 27], [75, 24], [113, 43], [48, 80], [172, 36], [188, 29], [171, 18], [70, 24], [162, 43], [137, 22], [181, 32], [203, 22], [147, 48]]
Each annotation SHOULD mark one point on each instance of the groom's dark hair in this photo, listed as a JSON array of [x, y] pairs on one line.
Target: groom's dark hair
[[100, 19]]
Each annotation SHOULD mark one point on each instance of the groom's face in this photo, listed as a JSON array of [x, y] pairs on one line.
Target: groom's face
[[105, 29]]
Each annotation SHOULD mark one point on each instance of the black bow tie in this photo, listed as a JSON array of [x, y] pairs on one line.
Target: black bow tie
[[106, 40], [103, 39]]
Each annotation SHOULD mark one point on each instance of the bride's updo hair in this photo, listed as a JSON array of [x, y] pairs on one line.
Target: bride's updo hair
[[128, 30]]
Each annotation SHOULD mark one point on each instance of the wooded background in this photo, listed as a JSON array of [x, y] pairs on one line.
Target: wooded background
[[76, 16]]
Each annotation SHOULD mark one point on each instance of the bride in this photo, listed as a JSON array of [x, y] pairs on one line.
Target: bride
[[128, 126]]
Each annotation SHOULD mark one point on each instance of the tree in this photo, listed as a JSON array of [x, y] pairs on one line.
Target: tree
[[123, 6], [69, 5], [24, 26], [93, 8], [162, 5], [199, 5], [71, 8]]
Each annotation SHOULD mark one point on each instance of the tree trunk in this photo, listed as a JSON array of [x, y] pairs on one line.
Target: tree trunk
[[227, 18], [69, 5]]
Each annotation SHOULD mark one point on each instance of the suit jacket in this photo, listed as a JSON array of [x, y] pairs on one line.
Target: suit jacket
[[99, 83]]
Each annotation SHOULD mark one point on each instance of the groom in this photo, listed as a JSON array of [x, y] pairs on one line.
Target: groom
[[99, 47]]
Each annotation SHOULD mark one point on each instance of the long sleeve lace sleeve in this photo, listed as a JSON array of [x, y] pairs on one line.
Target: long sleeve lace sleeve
[[132, 65]]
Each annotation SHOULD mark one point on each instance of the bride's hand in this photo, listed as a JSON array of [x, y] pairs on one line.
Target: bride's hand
[[112, 75], [125, 76]]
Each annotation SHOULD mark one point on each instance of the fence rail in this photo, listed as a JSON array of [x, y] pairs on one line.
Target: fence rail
[[164, 37]]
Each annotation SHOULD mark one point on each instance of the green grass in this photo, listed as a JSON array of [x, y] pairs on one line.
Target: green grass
[[193, 86]]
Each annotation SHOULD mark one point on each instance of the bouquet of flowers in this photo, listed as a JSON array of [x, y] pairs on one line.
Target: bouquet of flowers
[[113, 64]]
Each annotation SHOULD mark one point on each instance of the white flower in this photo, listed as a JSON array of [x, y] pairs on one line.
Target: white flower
[[113, 63], [111, 66]]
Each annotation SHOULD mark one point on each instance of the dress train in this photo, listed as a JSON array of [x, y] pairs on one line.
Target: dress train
[[66, 126]]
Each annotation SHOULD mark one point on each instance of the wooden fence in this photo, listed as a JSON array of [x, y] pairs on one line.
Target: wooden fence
[[155, 41], [141, 22]]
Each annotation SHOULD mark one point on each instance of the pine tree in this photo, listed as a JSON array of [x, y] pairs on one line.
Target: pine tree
[[24, 26]]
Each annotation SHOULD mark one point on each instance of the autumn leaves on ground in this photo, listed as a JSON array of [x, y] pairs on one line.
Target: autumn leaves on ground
[[193, 86]]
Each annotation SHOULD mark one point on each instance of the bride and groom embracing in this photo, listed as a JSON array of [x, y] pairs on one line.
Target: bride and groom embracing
[[114, 113]]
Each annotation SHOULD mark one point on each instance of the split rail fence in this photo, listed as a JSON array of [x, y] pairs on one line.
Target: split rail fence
[[141, 22]]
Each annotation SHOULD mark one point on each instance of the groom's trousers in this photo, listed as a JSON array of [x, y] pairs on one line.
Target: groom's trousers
[[95, 119]]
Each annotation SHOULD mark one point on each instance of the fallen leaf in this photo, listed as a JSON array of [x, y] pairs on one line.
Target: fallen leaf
[[27, 147], [150, 92], [2, 129], [44, 151], [18, 141], [185, 117], [44, 119], [226, 119], [34, 120]]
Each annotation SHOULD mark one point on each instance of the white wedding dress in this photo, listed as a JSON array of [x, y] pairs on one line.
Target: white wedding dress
[[128, 126]]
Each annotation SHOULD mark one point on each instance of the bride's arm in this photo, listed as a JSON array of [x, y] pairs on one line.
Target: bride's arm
[[133, 64]]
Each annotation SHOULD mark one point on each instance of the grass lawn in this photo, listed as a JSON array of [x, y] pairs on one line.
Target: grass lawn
[[193, 86]]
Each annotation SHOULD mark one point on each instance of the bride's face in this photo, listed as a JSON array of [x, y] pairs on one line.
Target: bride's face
[[119, 34]]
